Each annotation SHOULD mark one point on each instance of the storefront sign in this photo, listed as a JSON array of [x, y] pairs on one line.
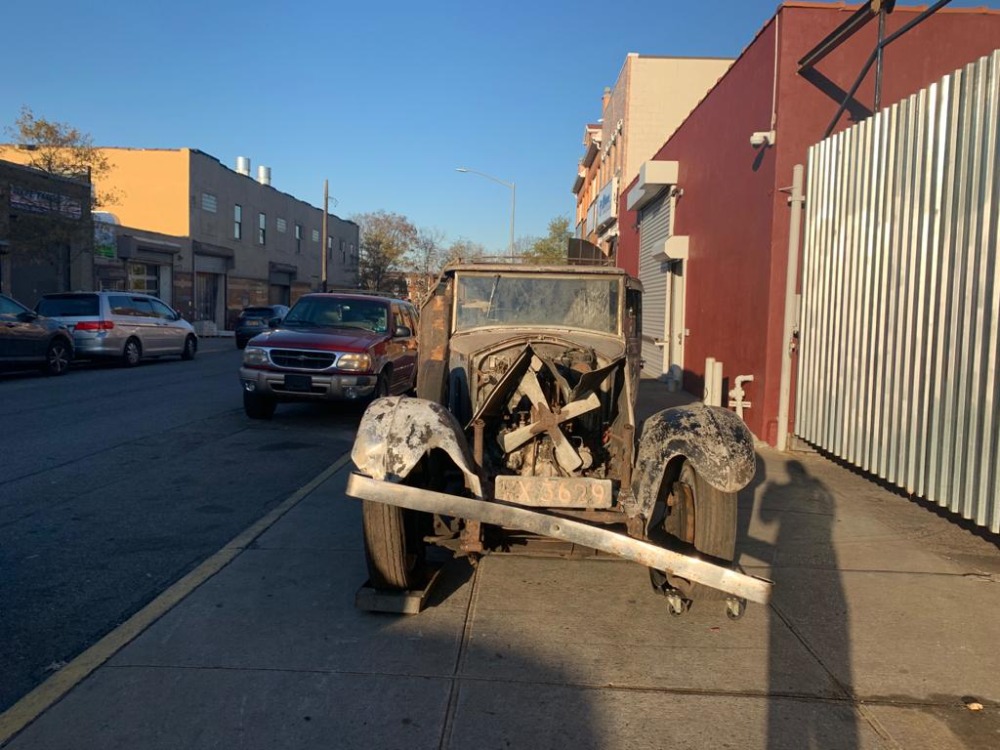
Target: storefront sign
[[41, 202], [607, 210]]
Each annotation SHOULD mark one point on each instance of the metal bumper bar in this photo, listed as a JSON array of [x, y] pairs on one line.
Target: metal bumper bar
[[685, 566]]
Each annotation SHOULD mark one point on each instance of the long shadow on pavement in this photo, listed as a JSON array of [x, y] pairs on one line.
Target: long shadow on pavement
[[803, 511]]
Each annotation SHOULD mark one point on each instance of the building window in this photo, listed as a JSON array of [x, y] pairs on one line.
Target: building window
[[208, 203], [237, 222], [282, 226], [298, 238], [261, 228], [143, 277], [315, 235], [343, 254]]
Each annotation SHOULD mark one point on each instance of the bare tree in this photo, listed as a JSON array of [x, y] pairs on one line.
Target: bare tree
[[464, 251], [386, 239], [65, 151], [60, 149], [424, 264]]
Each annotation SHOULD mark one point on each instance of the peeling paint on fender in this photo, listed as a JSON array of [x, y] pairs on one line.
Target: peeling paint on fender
[[396, 432]]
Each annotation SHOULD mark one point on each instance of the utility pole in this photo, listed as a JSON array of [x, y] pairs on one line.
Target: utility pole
[[323, 240]]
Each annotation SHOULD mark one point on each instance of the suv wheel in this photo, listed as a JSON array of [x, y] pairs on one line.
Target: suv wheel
[[132, 354], [382, 385], [257, 406], [57, 358]]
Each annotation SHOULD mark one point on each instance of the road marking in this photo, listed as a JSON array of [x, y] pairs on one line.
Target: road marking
[[43, 697]]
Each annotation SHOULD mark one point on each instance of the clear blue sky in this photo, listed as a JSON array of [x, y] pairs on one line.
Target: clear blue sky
[[385, 99]]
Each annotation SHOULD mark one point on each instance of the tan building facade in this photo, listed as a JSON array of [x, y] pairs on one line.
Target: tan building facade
[[210, 240], [651, 98]]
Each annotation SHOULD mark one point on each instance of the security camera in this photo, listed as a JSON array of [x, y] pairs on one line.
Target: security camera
[[762, 138]]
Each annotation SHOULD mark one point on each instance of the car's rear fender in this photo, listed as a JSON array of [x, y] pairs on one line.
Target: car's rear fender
[[397, 431], [714, 440]]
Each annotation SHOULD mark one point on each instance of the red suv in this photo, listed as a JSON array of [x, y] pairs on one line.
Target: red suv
[[331, 347]]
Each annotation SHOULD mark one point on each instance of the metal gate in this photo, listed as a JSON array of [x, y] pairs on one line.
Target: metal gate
[[901, 295], [654, 229]]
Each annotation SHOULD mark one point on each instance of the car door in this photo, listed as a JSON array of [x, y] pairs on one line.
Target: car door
[[147, 323], [22, 337], [404, 348], [172, 333]]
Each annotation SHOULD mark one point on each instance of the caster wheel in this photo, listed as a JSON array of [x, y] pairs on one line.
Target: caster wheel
[[735, 607], [676, 604]]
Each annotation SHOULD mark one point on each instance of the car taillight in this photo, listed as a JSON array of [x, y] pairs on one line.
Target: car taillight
[[95, 325]]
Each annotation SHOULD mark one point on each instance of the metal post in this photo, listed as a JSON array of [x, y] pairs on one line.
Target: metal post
[[879, 52], [796, 200], [513, 201], [323, 241]]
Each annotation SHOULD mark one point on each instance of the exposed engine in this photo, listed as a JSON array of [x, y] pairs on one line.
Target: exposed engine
[[550, 409]]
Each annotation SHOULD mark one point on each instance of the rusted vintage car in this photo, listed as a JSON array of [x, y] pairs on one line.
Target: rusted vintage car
[[524, 421]]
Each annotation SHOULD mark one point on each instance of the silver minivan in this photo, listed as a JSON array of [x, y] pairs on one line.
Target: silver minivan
[[126, 326]]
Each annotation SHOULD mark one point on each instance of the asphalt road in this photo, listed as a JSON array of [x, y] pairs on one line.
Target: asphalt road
[[114, 483]]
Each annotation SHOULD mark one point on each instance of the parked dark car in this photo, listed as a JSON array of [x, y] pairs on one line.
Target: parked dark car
[[256, 319], [27, 338], [331, 347]]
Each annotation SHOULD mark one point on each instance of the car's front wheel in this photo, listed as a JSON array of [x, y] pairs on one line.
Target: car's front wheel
[[57, 357], [394, 547], [257, 406], [190, 348], [704, 517]]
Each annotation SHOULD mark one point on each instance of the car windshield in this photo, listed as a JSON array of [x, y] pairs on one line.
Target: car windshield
[[543, 300], [259, 312], [369, 315]]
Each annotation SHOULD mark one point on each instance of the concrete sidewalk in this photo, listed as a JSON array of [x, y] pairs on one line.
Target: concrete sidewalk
[[885, 625]]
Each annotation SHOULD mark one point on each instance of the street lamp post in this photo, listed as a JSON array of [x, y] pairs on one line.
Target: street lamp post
[[324, 240], [513, 198]]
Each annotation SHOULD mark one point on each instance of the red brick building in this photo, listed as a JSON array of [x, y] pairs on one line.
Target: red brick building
[[714, 208]]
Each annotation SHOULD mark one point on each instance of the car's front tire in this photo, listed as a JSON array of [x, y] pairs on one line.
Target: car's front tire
[[190, 348], [394, 547], [257, 406]]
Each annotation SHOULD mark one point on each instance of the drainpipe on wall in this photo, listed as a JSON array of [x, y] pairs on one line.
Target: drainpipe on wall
[[791, 328]]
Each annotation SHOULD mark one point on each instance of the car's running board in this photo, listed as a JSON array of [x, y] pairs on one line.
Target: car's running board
[[685, 566]]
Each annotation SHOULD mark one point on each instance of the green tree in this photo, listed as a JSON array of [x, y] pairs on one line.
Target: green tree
[[386, 239], [552, 248]]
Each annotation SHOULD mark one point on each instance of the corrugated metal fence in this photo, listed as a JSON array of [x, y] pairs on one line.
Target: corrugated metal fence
[[901, 295]]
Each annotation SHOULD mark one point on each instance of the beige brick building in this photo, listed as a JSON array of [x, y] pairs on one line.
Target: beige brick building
[[208, 239], [650, 99]]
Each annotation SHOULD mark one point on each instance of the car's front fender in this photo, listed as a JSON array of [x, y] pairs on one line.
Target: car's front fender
[[714, 440], [397, 431]]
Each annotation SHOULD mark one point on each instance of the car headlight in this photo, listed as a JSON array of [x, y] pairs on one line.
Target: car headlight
[[254, 355], [354, 362]]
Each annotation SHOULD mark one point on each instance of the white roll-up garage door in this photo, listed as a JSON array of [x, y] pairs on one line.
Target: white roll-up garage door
[[654, 229]]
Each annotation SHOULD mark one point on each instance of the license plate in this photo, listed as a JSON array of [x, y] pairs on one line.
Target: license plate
[[253, 323], [299, 383], [546, 492]]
